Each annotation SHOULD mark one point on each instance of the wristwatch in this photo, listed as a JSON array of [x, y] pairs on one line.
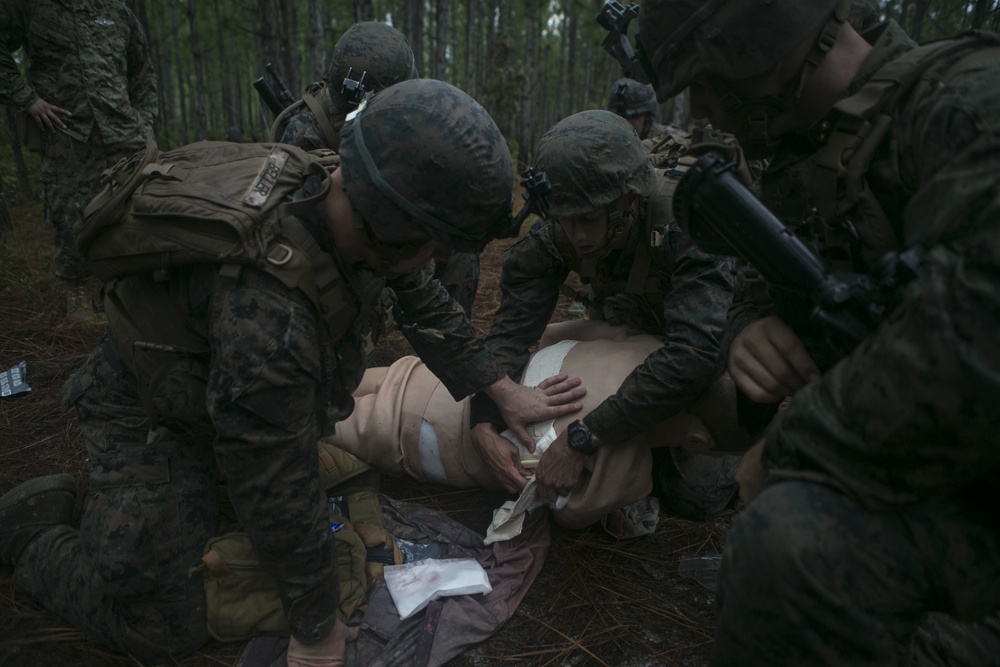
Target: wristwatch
[[581, 439]]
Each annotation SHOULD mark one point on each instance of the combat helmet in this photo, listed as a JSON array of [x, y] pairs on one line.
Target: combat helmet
[[681, 40], [421, 159], [592, 159], [376, 49], [629, 98]]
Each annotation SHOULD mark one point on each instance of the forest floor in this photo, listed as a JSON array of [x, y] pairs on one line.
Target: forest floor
[[597, 601]]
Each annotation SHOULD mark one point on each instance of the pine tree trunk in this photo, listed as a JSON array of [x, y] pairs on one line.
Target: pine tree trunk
[[470, 47], [288, 35], [317, 40], [200, 114], [414, 31], [441, 39], [363, 11], [181, 75], [979, 14]]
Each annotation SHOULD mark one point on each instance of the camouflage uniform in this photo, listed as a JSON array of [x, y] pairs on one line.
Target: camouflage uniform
[[376, 49], [873, 544], [90, 58], [370, 48], [683, 297], [231, 391], [689, 316]]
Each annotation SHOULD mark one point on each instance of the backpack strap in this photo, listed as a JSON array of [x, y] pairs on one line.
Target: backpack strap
[[314, 98], [323, 284], [641, 278], [277, 129], [862, 121], [117, 185]]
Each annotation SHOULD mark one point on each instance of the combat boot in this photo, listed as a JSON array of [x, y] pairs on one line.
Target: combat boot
[[30, 508]]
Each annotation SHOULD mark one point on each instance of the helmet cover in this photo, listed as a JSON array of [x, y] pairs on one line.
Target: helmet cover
[[378, 50], [629, 98], [591, 159], [736, 39], [421, 159]]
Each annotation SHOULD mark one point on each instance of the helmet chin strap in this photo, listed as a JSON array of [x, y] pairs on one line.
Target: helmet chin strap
[[758, 112]]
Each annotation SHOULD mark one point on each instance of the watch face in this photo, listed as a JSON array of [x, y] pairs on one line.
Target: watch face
[[579, 436]]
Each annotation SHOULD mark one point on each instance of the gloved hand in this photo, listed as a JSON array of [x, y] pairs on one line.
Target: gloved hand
[[328, 652]]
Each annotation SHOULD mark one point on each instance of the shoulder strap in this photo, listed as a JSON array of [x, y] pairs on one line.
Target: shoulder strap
[[314, 98], [862, 120]]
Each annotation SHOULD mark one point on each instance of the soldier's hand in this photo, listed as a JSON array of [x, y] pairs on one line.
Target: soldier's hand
[[553, 397], [768, 362], [501, 456], [47, 116], [328, 652], [559, 470]]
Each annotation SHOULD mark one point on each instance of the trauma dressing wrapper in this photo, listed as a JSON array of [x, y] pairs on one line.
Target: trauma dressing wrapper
[[413, 585]]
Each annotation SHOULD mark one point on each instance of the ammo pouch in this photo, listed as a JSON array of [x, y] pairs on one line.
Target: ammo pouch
[[242, 599]]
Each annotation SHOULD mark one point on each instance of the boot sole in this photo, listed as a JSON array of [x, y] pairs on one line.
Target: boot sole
[[36, 486]]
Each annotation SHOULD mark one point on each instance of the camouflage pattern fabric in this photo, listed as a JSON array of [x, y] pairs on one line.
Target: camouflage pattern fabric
[[689, 318], [630, 98], [422, 204], [441, 334], [810, 577], [378, 50], [736, 40], [460, 277], [581, 183], [893, 450], [243, 412], [303, 131], [71, 174], [92, 59], [375, 49]]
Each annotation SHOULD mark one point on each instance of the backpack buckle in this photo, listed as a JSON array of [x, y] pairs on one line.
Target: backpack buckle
[[279, 255]]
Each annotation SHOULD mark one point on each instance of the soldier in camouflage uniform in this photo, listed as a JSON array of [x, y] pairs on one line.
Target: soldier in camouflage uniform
[[243, 386], [91, 91], [384, 56], [612, 224], [636, 103], [868, 540], [374, 49]]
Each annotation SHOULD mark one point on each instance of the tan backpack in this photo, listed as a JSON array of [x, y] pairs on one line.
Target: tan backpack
[[212, 201]]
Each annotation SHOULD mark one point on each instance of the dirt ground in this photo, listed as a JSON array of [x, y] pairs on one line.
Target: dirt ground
[[597, 601]]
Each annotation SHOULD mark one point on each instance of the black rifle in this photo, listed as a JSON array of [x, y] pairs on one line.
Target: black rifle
[[538, 187], [284, 95], [277, 100], [615, 19], [268, 95], [721, 216]]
